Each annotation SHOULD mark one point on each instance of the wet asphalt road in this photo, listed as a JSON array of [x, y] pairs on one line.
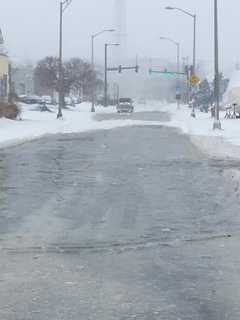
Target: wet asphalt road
[[130, 223]]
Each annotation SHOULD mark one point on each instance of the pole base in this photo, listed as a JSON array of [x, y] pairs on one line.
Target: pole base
[[59, 115], [93, 109], [193, 114], [217, 125]]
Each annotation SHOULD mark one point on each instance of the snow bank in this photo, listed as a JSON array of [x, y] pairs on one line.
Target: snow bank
[[232, 94], [223, 143]]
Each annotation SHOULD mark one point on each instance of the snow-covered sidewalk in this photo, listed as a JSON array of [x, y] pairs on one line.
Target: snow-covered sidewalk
[[221, 143]]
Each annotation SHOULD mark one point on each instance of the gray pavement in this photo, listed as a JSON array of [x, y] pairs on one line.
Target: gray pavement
[[130, 223]]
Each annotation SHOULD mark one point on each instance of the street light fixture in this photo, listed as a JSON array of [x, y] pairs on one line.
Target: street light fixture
[[217, 123], [93, 64], [63, 6], [194, 16], [105, 72], [178, 64]]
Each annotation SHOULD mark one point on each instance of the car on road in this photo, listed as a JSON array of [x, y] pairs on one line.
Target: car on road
[[125, 105]]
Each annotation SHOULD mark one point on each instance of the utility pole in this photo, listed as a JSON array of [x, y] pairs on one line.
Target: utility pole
[[178, 91], [105, 78], [93, 84], [60, 71], [217, 123], [105, 72]]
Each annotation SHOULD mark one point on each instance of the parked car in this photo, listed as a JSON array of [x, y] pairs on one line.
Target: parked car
[[204, 108], [30, 99], [49, 100], [125, 105], [69, 101]]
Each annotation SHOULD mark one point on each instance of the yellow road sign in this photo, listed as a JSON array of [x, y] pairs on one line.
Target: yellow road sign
[[194, 80]]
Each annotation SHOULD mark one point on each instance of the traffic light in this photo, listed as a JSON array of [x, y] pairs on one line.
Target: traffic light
[[187, 70], [150, 71], [120, 69], [178, 96], [191, 70], [137, 68]]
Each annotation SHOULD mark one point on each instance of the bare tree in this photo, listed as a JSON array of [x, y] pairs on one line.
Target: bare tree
[[46, 76], [78, 77]]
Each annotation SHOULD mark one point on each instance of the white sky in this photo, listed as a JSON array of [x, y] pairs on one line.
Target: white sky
[[30, 28]]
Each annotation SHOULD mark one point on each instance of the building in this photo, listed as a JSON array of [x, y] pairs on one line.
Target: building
[[4, 71]]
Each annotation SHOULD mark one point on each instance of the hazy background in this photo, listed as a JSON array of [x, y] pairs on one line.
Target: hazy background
[[30, 28]]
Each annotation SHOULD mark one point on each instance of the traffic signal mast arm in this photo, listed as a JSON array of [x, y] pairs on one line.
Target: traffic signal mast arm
[[112, 69], [165, 72], [120, 68], [193, 79]]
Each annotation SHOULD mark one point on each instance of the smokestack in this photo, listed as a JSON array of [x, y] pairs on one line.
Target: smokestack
[[121, 30]]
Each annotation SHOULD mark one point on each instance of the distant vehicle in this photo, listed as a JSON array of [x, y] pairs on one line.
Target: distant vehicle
[[141, 101], [125, 105], [49, 100], [69, 101], [30, 99]]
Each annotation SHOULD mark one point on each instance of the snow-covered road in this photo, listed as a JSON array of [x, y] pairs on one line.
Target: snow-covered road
[[34, 124], [131, 223]]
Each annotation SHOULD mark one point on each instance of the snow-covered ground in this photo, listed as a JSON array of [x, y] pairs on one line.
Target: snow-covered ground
[[35, 124], [220, 143]]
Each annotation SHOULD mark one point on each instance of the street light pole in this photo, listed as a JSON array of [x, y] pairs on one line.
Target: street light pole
[[93, 64], [194, 42], [194, 16], [105, 72], [217, 123], [178, 77], [178, 65], [63, 6]]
